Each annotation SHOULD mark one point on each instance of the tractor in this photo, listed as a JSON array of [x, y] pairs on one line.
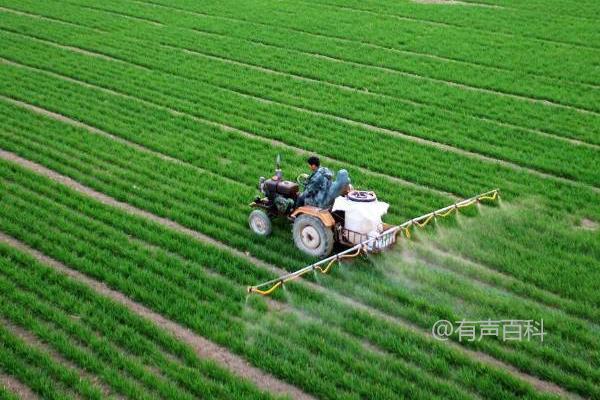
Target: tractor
[[347, 216]]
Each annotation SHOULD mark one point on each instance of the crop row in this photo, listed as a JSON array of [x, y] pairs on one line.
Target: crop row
[[509, 22], [566, 359], [523, 147], [570, 256], [431, 280], [555, 8], [226, 208], [389, 86], [566, 199], [90, 22], [153, 280], [104, 338], [105, 255], [29, 85], [388, 298], [487, 275], [492, 115], [179, 133], [443, 96], [294, 51], [489, 49], [578, 384], [39, 371], [546, 154], [237, 163], [93, 17], [298, 129], [7, 393]]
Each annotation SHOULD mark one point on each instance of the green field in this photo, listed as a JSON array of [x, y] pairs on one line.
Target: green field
[[132, 137]]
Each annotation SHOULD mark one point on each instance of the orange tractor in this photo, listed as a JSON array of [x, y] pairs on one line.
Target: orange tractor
[[348, 217]]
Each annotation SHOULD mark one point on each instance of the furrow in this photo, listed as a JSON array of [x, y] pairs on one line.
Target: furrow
[[227, 128], [475, 355], [99, 346], [484, 283], [16, 387], [498, 122], [202, 347], [565, 139], [366, 126], [270, 71], [120, 14], [391, 132], [349, 40], [304, 315], [427, 142], [34, 342], [104, 199], [467, 87], [96, 131], [454, 26], [459, 85], [484, 358], [55, 20], [510, 279], [408, 74], [474, 4], [81, 51], [278, 307]]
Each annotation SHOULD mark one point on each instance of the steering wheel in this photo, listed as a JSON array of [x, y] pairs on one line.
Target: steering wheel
[[302, 179]]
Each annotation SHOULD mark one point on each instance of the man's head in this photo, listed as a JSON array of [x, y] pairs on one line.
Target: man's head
[[313, 163]]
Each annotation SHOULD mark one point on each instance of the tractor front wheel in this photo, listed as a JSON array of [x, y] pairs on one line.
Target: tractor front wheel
[[260, 223], [312, 237]]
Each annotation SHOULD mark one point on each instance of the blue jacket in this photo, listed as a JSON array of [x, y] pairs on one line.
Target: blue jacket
[[317, 187]]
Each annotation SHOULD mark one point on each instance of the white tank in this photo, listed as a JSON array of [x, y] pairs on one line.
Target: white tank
[[363, 213]]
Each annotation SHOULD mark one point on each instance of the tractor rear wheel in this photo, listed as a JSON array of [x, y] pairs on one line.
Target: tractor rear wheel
[[260, 223], [312, 237]]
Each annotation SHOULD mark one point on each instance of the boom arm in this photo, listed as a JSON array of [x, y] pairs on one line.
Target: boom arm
[[355, 250]]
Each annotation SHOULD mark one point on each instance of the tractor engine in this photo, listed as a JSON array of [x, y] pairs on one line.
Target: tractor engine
[[281, 194]]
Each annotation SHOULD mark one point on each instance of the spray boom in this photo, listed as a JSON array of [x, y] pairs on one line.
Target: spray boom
[[370, 244]]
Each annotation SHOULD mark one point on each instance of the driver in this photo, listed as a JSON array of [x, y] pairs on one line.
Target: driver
[[317, 184]]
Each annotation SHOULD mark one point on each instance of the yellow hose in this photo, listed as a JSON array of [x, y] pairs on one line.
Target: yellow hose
[[422, 225], [359, 250], [268, 291], [322, 270], [327, 268], [492, 197], [447, 213], [330, 264], [467, 204]]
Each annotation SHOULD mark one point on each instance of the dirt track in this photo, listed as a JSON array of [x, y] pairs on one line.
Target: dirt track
[[202, 347], [484, 358], [16, 387]]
